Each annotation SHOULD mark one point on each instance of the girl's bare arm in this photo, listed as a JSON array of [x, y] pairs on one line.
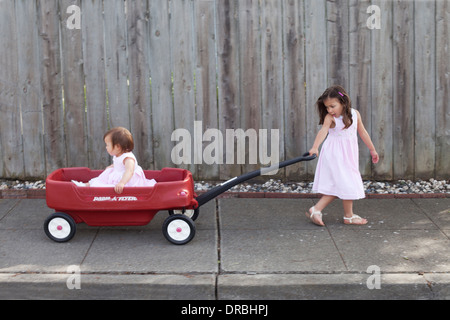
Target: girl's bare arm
[[129, 171], [322, 134], [366, 139]]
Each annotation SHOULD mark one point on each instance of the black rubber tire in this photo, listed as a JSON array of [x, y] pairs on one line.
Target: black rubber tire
[[67, 230], [178, 229]]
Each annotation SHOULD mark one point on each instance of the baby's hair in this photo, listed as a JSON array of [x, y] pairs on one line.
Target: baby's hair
[[339, 93], [122, 137]]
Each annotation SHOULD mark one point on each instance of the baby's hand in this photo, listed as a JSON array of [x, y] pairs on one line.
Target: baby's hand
[[375, 156], [119, 187]]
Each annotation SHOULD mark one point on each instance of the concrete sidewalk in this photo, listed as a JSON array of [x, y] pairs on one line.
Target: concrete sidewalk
[[243, 249]]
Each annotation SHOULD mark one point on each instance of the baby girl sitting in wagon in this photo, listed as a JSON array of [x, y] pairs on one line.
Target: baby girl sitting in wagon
[[125, 171]]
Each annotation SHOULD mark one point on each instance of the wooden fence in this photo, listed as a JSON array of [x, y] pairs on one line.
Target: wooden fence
[[71, 69]]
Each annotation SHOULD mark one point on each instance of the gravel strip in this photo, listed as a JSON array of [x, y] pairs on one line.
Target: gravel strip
[[373, 187]]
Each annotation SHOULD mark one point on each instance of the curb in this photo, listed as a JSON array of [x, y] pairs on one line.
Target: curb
[[62, 286], [309, 286], [40, 194]]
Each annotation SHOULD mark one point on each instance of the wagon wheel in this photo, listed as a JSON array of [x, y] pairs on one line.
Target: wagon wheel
[[60, 227], [178, 229], [191, 213]]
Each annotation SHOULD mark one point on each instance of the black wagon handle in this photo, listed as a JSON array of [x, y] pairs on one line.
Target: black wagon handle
[[214, 192]]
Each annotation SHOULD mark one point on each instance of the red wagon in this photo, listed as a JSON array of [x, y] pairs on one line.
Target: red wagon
[[135, 206]]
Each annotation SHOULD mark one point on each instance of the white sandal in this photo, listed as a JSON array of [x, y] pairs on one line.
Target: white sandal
[[355, 216], [313, 213]]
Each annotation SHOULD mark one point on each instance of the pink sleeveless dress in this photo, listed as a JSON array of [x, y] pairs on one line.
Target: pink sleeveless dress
[[337, 172], [112, 176]]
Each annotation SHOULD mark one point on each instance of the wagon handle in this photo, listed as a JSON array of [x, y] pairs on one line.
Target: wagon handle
[[214, 192]]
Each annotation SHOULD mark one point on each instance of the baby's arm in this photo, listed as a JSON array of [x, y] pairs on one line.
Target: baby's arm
[[322, 134], [366, 138], [129, 171]]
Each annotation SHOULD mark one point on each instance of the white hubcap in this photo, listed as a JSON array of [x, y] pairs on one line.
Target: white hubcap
[[59, 228], [178, 230]]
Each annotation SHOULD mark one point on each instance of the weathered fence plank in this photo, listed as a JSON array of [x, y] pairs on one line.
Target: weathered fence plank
[[11, 145], [316, 68], [51, 83], [360, 74], [206, 83], [272, 79], [139, 77], [442, 89], [161, 82], [29, 88], [294, 86], [116, 67], [425, 107], [337, 42], [73, 86], [228, 79], [94, 77], [250, 79], [181, 39], [382, 92], [403, 99]]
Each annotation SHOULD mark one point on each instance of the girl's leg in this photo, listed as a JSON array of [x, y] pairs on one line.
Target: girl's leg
[[80, 184], [348, 208], [348, 214], [323, 202]]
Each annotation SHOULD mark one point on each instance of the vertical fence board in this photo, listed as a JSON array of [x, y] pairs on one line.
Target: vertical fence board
[[425, 109], [205, 75], [403, 103], [228, 78], [51, 82], [272, 79], [116, 67], [382, 92], [294, 86], [139, 77], [94, 75], [10, 124], [337, 42], [442, 89], [360, 74], [73, 86], [183, 74], [161, 84], [316, 68], [29, 88], [250, 77]]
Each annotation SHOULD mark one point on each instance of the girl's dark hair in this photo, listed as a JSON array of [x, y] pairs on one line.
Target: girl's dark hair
[[339, 93], [122, 137]]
